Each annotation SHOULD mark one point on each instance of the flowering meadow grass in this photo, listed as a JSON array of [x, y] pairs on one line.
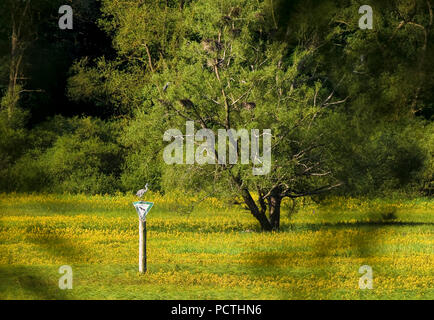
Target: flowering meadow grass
[[215, 251]]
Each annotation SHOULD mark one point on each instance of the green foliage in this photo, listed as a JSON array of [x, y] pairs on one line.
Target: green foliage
[[227, 61], [64, 155], [112, 91], [13, 143], [427, 142], [142, 164], [87, 160], [309, 72], [375, 159], [377, 143], [143, 34]]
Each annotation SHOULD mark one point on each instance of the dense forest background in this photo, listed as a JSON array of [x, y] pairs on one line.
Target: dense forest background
[[84, 110]]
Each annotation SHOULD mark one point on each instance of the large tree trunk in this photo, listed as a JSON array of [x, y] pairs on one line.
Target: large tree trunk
[[17, 52], [251, 204], [258, 214], [275, 201], [12, 94]]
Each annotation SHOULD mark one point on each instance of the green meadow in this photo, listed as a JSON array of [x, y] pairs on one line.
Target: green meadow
[[214, 252]]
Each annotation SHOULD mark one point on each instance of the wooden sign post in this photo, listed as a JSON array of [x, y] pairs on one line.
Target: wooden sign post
[[142, 246], [142, 208]]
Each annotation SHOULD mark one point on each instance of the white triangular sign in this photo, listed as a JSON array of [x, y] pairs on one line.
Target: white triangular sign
[[143, 208]]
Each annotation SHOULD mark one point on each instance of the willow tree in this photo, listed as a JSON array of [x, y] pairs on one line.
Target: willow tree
[[231, 72]]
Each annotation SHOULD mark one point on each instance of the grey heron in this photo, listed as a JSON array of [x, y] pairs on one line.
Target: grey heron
[[141, 192]]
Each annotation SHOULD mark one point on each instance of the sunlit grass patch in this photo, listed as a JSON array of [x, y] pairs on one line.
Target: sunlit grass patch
[[213, 252]]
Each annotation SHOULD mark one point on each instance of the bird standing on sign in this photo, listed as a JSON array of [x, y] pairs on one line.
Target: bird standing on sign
[[141, 192]]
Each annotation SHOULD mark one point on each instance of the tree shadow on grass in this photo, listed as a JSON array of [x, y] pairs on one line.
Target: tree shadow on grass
[[33, 280], [55, 245], [361, 241], [346, 225], [330, 242]]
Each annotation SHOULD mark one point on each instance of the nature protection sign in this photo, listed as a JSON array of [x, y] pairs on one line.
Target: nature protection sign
[[142, 208]]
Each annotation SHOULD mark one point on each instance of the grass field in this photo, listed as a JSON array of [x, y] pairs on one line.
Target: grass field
[[214, 252]]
